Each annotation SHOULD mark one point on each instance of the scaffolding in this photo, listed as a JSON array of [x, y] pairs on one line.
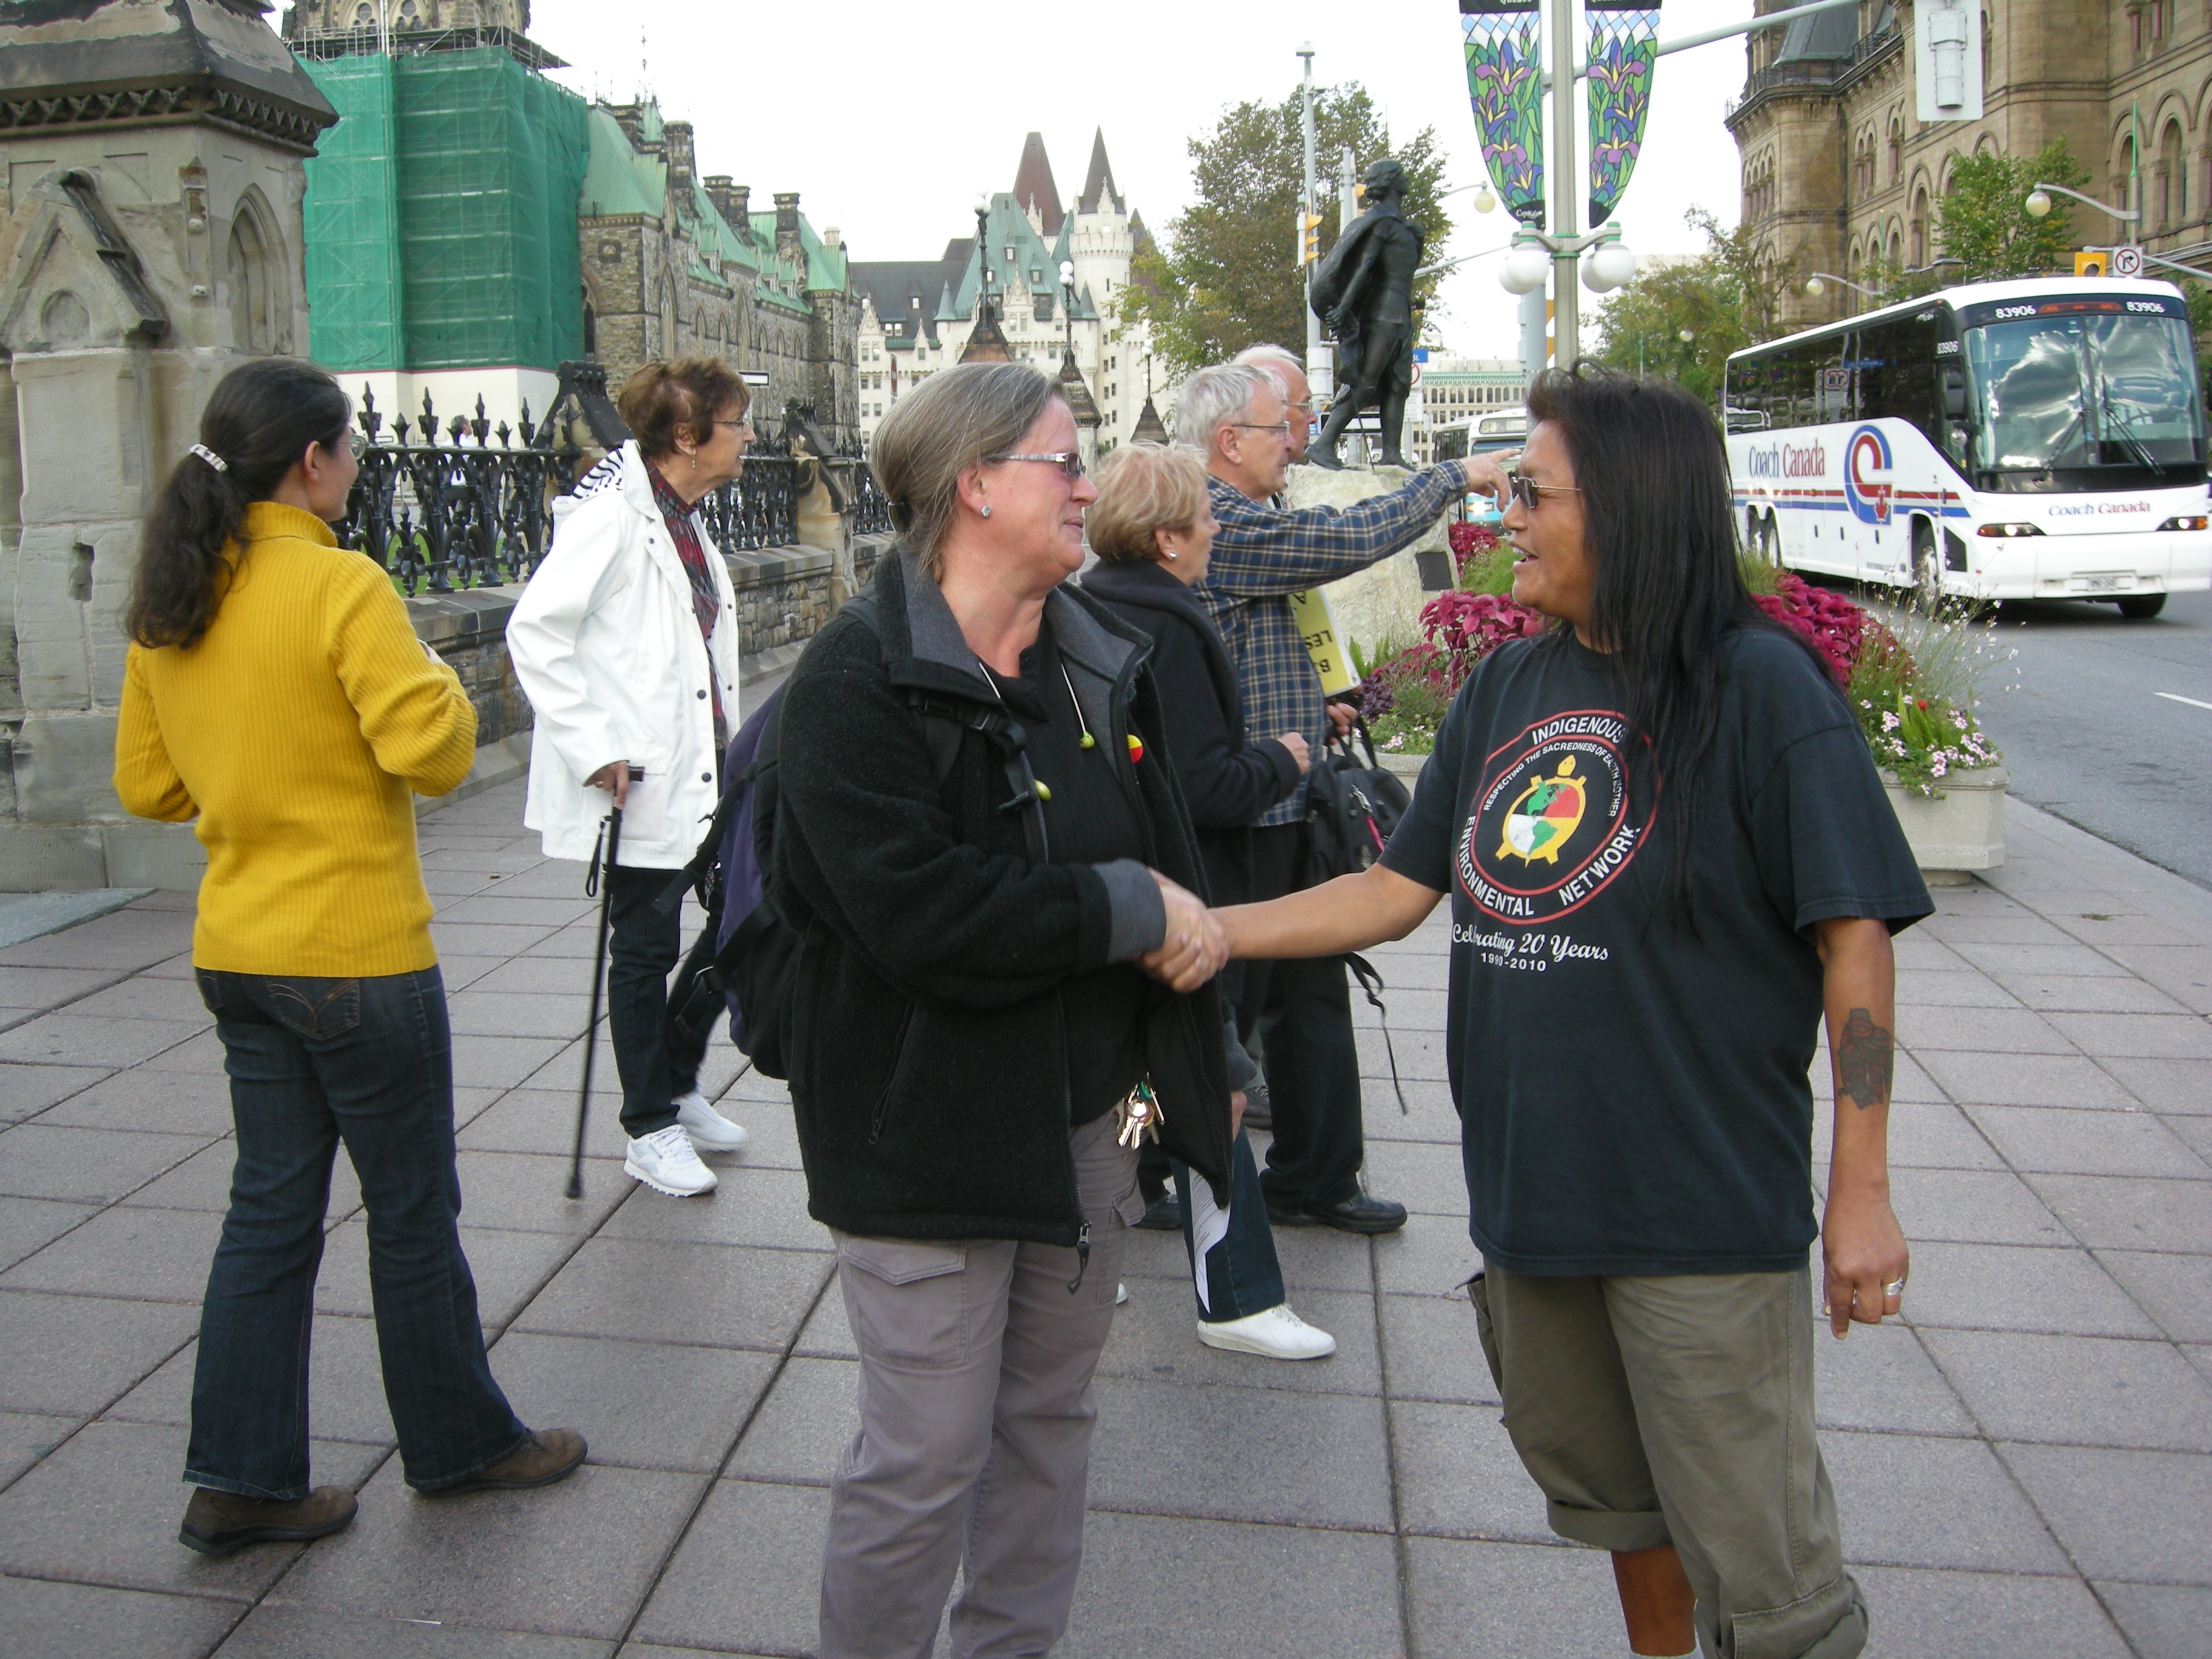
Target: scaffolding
[[441, 215]]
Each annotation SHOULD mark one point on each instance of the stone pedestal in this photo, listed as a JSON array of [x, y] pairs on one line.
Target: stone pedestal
[[1382, 602]]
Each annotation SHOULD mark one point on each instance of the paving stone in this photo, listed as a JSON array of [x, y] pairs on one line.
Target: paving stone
[[766, 1207], [1912, 1501], [26, 1437], [73, 1354], [1500, 1600], [1311, 1258], [528, 1194], [2077, 1391], [1420, 1055], [345, 1386], [2104, 994], [1458, 1476], [544, 1121], [119, 942], [2176, 1291], [1152, 1584], [2124, 1213], [652, 1293], [1970, 989], [828, 1333], [159, 1255], [52, 1619], [1423, 1176], [2050, 1139], [1155, 1335], [2009, 925], [138, 1100], [2164, 1621], [803, 1426], [1995, 957], [1970, 1206], [545, 1013], [1976, 1615], [502, 1062], [2174, 1086], [571, 1560], [2167, 1037], [2122, 1514], [139, 998], [642, 1405], [2003, 1031], [2182, 973], [26, 1090], [532, 976], [2007, 1079], [509, 1269], [1159, 1449], [484, 940], [510, 908], [49, 987], [289, 1633], [201, 1054], [1429, 1255], [1432, 1351], [2003, 1288], [85, 1166], [1879, 1377], [30, 1224], [1923, 1135], [749, 1574], [103, 1509]]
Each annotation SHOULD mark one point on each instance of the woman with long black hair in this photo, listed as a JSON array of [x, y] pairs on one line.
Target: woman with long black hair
[[275, 691], [1670, 857]]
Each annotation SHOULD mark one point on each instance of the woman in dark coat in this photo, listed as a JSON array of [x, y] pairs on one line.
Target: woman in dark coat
[[1152, 529], [1002, 979]]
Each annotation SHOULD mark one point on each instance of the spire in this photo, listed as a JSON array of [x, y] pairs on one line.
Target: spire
[[1150, 429], [1033, 189], [1099, 195], [1080, 403]]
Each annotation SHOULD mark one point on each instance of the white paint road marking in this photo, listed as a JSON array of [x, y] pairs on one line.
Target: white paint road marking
[[2175, 696]]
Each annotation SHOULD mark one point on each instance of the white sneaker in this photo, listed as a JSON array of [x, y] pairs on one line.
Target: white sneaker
[[664, 1161], [1121, 1294], [709, 1130], [1273, 1333]]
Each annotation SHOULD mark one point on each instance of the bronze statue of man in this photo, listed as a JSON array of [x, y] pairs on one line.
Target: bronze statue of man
[[1364, 290]]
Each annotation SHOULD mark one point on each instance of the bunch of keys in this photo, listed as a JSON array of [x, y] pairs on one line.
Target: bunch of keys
[[1138, 1115]]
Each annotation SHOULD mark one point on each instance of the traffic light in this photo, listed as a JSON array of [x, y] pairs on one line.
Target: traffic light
[[1309, 238], [2093, 262]]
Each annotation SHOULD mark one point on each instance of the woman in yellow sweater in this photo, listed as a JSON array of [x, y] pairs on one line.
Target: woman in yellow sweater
[[276, 690]]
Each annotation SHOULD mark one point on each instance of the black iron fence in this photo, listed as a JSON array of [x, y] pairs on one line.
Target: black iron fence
[[470, 506]]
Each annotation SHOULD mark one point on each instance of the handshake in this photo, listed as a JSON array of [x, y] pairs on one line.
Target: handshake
[[1194, 948]]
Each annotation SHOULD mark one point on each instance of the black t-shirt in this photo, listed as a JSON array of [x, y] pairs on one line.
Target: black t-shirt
[[1633, 1092], [1089, 818]]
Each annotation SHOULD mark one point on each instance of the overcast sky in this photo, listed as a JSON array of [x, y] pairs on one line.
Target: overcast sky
[[888, 118]]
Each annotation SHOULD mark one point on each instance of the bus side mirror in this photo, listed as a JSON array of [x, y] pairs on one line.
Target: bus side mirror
[[1954, 393]]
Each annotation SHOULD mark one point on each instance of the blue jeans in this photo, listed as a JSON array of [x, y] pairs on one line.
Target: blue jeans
[[312, 1061], [1239, 1275]]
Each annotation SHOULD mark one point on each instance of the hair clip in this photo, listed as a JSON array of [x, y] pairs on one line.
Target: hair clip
[[211, 458]]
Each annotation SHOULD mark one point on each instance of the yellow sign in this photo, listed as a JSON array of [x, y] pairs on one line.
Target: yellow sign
[[1318, 629]]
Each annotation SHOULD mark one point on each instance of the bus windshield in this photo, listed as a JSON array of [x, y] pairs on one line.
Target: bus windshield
[[2083, 392]]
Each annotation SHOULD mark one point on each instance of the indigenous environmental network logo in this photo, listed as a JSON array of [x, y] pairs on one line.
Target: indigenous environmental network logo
[[1867, 482], [1548, 826]]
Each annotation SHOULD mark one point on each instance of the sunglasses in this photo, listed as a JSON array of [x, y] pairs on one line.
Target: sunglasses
[[1526, 490], [1069, 463]]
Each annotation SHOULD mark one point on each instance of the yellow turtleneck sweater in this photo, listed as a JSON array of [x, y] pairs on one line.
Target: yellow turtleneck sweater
[[298, 728]]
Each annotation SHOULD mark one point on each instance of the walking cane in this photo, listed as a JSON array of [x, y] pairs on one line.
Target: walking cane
[[602, 876]]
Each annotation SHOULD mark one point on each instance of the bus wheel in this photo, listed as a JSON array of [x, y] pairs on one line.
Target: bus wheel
[[1770, 540], [2143, 607], [1927, 575]]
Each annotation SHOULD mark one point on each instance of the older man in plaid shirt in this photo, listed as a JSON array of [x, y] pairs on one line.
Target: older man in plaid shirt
[[1300, 1011]]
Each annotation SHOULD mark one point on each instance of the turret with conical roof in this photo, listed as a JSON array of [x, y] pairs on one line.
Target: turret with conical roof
[[1035, 193]]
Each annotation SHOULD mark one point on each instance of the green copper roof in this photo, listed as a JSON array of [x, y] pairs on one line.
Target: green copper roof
[[617, 180]]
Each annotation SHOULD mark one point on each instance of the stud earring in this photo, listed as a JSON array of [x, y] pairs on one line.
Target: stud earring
[[986, 509], [1169, 551]]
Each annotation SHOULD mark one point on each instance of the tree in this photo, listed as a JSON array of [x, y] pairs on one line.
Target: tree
[[1983, 220], [1727, 297], [1228, 277]]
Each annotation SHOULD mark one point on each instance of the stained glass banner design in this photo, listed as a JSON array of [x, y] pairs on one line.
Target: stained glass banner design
[[1504, 83], [1624, 42]]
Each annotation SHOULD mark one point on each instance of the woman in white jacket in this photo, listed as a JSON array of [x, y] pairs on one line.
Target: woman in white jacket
[[625, 643]]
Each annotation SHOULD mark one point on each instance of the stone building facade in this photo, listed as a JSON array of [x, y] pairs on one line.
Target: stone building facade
[[1840, 175], [916, 316]]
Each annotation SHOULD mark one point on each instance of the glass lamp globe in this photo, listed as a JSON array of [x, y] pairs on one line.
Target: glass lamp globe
[[2037, 203], [1524, 269], [1484, 201], [1814, 287], [1610, 266]]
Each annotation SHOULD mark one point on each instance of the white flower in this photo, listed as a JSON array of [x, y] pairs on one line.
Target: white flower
[[1889, 721]]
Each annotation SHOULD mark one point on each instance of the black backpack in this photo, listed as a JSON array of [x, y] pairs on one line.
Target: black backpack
[[746, 958], [1350, 809]]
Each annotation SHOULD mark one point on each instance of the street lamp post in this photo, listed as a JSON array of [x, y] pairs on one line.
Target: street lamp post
[[2039, 203], [1817, 284], [1319, 373]]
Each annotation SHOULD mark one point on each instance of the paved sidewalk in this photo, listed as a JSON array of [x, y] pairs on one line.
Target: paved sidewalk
[[2026, 1469]]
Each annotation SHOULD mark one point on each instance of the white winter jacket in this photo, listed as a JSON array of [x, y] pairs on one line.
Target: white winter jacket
[[606, 645]]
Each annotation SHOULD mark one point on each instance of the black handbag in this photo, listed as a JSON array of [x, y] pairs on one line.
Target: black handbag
[[1350, 809]]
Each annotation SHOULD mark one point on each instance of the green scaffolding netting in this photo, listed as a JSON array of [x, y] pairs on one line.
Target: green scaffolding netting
[[441, 215]]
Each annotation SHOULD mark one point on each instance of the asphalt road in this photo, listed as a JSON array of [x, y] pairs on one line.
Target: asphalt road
[[2087, 734]]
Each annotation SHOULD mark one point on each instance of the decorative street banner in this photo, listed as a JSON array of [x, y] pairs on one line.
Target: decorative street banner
[[1504, 82], [1624, 41]]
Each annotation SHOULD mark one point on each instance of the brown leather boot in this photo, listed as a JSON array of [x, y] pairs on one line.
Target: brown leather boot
[[544, 1456], [217, 1523]]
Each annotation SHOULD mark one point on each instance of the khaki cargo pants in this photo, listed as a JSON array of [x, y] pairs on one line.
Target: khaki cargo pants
[[1680, 1410]]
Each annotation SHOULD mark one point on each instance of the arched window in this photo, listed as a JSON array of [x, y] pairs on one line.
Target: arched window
[[252, 314], [1920, 229], [364, 15], [2172, 177], [590, 332]]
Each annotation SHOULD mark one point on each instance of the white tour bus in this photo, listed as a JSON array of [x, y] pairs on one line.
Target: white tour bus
[[2015, 440]]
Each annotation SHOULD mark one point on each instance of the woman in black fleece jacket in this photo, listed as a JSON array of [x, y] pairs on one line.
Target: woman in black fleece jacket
[[985, 852], [1151, 529]]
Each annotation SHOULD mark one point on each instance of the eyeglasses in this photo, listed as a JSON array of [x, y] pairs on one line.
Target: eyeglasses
[[1068, 460], [1281, 428], [734, 426], [1526, 490]]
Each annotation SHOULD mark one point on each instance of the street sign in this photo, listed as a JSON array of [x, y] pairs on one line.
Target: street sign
[[1420, 353], [1420, 357], [2128, 261]]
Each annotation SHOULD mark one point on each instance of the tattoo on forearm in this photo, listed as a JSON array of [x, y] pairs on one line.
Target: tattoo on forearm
[[1865, 1058]]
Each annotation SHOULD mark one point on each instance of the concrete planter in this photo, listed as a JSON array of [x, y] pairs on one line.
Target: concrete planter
[[1961, 832], [1406, 767]]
